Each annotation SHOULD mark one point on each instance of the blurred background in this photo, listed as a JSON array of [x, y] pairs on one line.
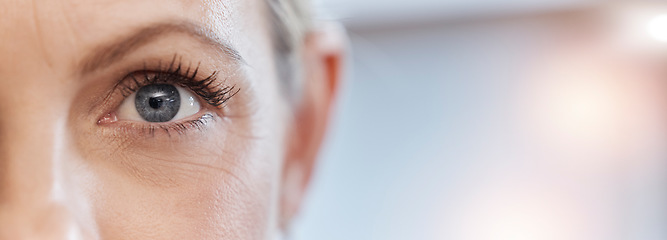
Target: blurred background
[[496, 120]]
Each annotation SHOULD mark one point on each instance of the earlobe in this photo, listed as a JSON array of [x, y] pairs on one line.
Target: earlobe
[[322, 59]]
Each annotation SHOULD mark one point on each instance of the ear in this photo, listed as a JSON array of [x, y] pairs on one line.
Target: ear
[[322, 59]]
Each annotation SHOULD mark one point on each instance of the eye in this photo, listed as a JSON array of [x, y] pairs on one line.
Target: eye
[[159, 103]]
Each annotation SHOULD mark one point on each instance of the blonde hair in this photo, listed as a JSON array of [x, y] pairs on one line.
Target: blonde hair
[[290, 20]]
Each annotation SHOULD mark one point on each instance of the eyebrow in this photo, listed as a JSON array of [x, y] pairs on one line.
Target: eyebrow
[[106, 54]]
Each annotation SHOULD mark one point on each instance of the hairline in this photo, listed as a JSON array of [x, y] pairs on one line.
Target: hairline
[[289, 20]]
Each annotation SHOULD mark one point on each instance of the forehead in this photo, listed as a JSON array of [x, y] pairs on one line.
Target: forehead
[[91, 15], [53, 29]]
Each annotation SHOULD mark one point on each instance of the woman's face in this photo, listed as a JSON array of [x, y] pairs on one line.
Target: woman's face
[[148, 119]]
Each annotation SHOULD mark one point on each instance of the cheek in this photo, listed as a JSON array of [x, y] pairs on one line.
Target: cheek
[[222, 187]]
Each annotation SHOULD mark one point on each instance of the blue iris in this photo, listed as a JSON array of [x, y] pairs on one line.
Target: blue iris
[[157, 102]]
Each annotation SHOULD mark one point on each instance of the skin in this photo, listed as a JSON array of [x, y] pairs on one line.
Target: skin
[[71, 168]]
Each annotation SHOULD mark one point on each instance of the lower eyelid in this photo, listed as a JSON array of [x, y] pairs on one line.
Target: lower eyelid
[[200, 123]]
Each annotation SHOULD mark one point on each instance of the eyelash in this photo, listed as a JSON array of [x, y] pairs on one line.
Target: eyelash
[[215, 94]]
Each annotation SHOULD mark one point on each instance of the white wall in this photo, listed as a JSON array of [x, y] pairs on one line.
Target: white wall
[[432, 141], [374, 13]]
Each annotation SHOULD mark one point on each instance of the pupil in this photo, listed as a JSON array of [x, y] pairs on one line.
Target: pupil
[[155, 103]]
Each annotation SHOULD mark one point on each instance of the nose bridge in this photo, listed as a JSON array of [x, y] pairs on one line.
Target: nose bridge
[[33, 202], [39, 196], [29, 152]]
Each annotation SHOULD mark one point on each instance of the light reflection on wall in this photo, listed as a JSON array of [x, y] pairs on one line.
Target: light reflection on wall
[[657, 28], [505, 211], [598, 103], [592, 113]]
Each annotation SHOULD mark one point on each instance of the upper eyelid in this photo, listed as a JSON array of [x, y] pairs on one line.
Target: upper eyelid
[[212, 92], [159, 70]]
